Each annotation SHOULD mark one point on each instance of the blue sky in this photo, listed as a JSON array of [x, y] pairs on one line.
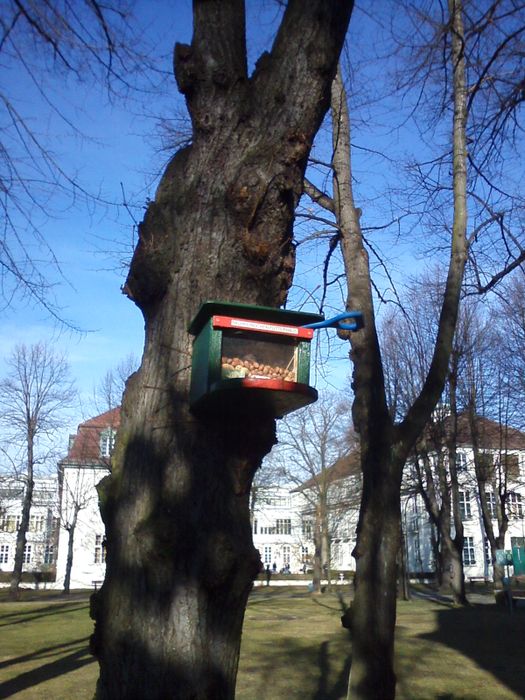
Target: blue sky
[[115, 152], [119, 151]]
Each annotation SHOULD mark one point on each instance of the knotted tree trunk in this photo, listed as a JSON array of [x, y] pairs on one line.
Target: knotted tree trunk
[[180, 557]]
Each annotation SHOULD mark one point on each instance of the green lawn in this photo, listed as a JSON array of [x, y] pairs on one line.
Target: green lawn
[[293, 647]]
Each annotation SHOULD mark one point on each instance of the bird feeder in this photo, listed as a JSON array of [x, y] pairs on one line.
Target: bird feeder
[[250, 357]]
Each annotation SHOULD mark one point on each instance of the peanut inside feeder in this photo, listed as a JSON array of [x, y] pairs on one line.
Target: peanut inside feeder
[[247, 356]]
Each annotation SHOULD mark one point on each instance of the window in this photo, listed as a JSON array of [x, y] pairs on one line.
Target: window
[[100, 550], [37, 523], [254, 526], [107, 442], [469, 557], [268, 530], [10, 523], [491, 504], [464, 505], [284, 526], [11, 492], [306, 529], [279, 501], [267, 555], [304, 554], [27, 554], [49, 554], [515, 505], [4, 553], [488, 555], [286, 555], [461, 461], [44, 496]]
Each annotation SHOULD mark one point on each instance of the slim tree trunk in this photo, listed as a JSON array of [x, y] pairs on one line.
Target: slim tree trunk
[[318, 552], [457, 574], [385, 447], [70, 544], [21, 538], [404, 583], [180, 557]]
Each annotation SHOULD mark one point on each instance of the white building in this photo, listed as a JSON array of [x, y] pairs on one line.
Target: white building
[[503, 452], [276, 529], [42, 536], [283, 519], [86, 464]]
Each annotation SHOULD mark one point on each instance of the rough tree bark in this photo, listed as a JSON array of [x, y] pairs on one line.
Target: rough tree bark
[[180, 557]]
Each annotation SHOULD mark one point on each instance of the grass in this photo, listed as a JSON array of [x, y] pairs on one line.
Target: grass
[[293, 647]]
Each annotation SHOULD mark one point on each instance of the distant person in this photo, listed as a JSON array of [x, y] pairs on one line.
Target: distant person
[[268, 574]]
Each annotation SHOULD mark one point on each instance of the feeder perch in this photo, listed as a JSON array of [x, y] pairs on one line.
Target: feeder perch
[[248, 357]]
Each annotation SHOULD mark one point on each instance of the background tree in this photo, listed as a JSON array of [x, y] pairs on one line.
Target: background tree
[[78, 492], [46, 45], [108, 392], [384, 445], [445, 54], [311, 442], [509, 321], [33, 399], [180, 558], [489, 404], [75, 496], [409, 337]]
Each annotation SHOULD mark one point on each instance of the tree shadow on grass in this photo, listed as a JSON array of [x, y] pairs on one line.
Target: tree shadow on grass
[[330, 688], [64, 664], [316, 670], [488, 635], [296, 669], [44, 652], [17, 617]]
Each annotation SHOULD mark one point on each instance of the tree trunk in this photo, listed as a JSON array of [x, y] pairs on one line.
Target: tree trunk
[[453, 578], [455, 546], [180, 557], [403, 573], [385, 447], [318, 552], [70, 542], [374, 607], [21, 537]]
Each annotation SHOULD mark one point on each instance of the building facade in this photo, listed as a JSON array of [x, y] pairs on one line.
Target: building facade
[[40, 552], [67, 532], [81, 536]]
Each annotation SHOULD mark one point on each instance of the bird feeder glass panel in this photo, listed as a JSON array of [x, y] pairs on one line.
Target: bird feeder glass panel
[[248, 355]]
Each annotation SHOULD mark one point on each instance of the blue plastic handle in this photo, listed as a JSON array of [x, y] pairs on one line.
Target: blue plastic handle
[[336, 322]]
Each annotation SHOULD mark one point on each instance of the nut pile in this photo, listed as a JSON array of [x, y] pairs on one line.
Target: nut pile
[[237, 367]]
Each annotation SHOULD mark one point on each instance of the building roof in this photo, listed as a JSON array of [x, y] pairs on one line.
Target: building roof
[[348, 465], [84, 447], [491, 435]]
